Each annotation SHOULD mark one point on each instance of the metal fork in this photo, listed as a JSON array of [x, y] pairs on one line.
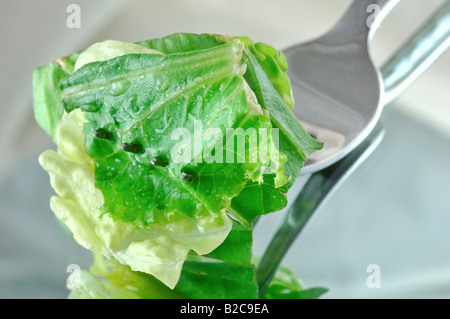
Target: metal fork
[[398, 73]]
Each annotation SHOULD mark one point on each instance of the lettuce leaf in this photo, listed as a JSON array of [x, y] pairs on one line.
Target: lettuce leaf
[[266, 75], [274, 65], [225, 273], [262, 198], [108, 279], [185, 42], [140, 100], [109, 49], [272, 61], [285, 285], [158, 249], [121, 191], [48, 108]]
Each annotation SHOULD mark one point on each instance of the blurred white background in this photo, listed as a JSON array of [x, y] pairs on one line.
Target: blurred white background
[[394, 211]]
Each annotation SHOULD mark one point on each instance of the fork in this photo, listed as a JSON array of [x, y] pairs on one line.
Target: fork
[[416, 55]]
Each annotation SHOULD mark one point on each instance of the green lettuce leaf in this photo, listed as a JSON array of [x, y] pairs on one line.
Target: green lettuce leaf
[[292, 140], [225, 273], [203, 277], [108, 279], [140, 100], [274, 65], [157, 249], [48, 108], [184, 42], [285, 285], [266, 76], [109, 49], [272, 61], [124, 192]]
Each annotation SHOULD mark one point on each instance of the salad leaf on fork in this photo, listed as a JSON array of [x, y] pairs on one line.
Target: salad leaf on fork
[[148, 166]]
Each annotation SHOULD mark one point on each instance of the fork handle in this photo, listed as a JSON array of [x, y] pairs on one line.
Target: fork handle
[[317, 188], [361, 20], [417, 54]]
